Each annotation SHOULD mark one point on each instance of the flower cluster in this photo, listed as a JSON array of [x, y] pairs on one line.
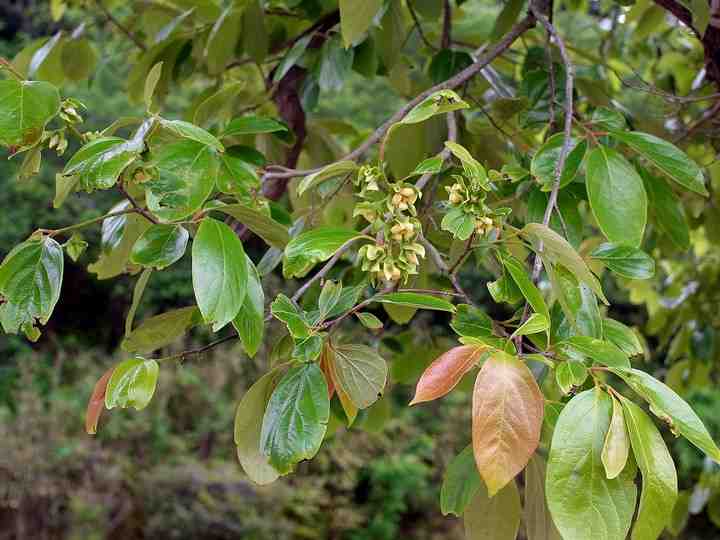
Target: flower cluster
[[390, 208], [467, 199]]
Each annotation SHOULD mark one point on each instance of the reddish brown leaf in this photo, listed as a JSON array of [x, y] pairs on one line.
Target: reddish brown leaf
[[506, 419], [96, 404], [446, 371]]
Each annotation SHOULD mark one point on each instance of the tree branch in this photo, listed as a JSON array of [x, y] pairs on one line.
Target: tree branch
[[483, 60]]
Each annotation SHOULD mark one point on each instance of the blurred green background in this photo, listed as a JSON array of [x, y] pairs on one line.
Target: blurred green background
[[171, 471]]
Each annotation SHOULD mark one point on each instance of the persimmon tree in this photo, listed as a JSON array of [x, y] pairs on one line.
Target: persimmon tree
[[545, 145]]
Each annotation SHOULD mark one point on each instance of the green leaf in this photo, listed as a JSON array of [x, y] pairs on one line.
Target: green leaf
[[248, 428], [545, 160], [186, 177], [335, 65], [251, 125], [254, 32], [535, 324], [250, 320], [461, 483], [75, 247], [622, 337], [459, 223], [264, 226], [531, 293], [339, 168], [308, 349], [219, 272], [99, 163], [291, 58], [659, 479], [356, 16], [625, 261], [223, 39], [668, 210], [578, 303], [617, 443], [536, 514], [132, 384], [368, 320], [470, 321], [329, 297], [584, 503], [432, 165], [665, 156], [598, 350], [25, 109], [309, 248], [472, 167], [296, 418], [570, 375], [558, 251], [671, 409], [191, 132], [360, 372], [617, 196], [496, 518], [237, 175], [160, 246], [161, 330], [416, 300], [30, 280], [119, 235], [286, 311], [607, 119], [138, 292], [151, 82], [440, 102]]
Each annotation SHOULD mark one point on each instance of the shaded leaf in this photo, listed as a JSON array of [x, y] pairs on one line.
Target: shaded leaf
[[625, 261], [461, 483], [161, 330]]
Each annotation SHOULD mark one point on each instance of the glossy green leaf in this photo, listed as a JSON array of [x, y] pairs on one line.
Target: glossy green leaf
[[659, 479], [368, 320], [356, 16], [416, 300], [360, 372], [31, 276], [219, 272], [186, 173], [598, 350], [559, 251], [496, 518], [665, 156], [440, 102], [98, 164], [132, 384], [535, 324], [251, 125], [578, 303], [161, 330], [432, 165], [250, 320], [248, 429], [668, 210], [308, 349], [617, 196], [460, 483], [287, 311], [470, 321], [625, 261], [264, 226], [544, 162], [339, 168], [119, 235], [584, 503], [570, 375], [459, 223], [671, 409], [160, 246], [472, 167], [25, 109], [329, 297], [296, 418], [531, 293], [616, 449], [623, 337], [191, 132], [309, 248]]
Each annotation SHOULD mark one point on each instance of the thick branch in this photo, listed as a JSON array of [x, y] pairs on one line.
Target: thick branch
[[455, 81]]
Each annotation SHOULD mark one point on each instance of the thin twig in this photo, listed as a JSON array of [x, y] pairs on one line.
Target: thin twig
[[447, 25], [415, 19], [140, 210], [440, 263], [567, 138], [469, 72], [110, 17]]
